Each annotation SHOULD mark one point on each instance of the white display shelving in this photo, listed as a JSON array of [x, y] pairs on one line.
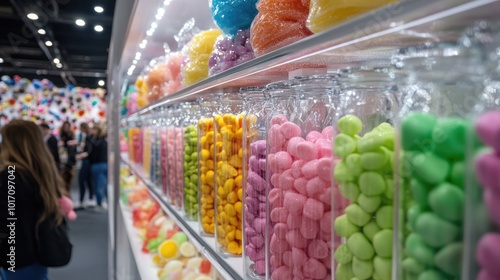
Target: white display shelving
[[228, 267], [143, 260]]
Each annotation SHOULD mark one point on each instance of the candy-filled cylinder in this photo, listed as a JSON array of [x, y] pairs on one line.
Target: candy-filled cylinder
[[363, 145], [206, 159], [228, 122], [190, 162], [254, 179], [299, 164]]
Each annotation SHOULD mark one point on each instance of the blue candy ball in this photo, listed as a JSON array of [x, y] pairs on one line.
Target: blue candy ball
[[233, 15]]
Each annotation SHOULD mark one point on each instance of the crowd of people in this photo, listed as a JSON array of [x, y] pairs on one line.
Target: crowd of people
[[36, 171]]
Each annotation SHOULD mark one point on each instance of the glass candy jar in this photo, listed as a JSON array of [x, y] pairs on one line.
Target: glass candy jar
[[190, 161]]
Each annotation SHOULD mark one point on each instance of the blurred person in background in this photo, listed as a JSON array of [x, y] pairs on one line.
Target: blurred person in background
[[84, 176], [51, 142], [67, 137]]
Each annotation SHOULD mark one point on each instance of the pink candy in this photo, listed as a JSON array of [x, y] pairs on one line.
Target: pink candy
[[488, 128], [488, 253], [487, 168], [307, 151]]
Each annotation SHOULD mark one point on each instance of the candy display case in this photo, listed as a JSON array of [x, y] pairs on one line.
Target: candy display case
[[327, 184]]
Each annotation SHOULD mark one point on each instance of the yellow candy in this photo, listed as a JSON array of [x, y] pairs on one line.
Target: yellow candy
[[230, 236], [240, 153], [232, 197], [209, 164], [168, 249], [239, 182], [234, 221], [238, 207], [229, 208], [236, 161], [198, 51], [205, 154], [234, 248], [221, 232]]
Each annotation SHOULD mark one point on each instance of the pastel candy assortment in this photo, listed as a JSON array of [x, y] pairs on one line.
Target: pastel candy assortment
[[229, 182], [255, 215], [299, 201], [365, 175], [190, 167], [207, 174], [434, 149], [487, 168]]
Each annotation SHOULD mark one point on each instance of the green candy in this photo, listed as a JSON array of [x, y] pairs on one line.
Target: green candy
[[370, 230], [447, 201], [342, 174], [343, 254], [353, 163], [431, 275], [362, 269], [389, 190], [429, 168], [349, 191], [382, 243], [383, 268], [343, 145], [383, 217], [371, 183], [416, 248], [420, 193], [457, 174], [190, 165], [435, 231], [360, 247], [344, 272], [194, 156], [371, 141], [448, 136], [180, 238], [416, 131], [369, 204], [374, 160], [412, 266], [449, 259], [412, 215], [356, 215], [344, 227], [350, 125]]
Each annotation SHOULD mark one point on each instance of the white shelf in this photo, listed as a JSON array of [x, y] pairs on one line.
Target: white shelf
[[144, 262], [229, 267]]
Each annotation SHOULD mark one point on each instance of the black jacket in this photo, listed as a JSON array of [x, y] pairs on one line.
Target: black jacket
[[71, 150], [97, 148], [54, 150], [27, 207]]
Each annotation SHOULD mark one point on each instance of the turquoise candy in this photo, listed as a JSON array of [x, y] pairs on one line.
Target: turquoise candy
[[412, 215], [449, 259], [370, 229], [412, 266], [343, 145], [356, 215], [353, 163], [383, 267], [369, 204], [374, 160], [344, 227], [360, 247], [447, 201], [384, 217], [350, 125], [371, 183], [457, 175], [344, 272], [349, 191], [382, 243], [435, 231], [342, 174], [448, 137], [432, 275], [416, 131], [420, 193], [429, 168], [362, 269], [343, 254], [416, 248]]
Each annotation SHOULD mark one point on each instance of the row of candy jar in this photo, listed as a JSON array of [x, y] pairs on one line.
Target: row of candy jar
[[364, 144], [228, 122], [190, 162], [435, 121], [299, 163], [257, 109], [206, 158]]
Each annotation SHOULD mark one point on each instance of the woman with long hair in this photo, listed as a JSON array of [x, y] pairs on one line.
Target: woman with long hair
[[30, 186], [67, 137]]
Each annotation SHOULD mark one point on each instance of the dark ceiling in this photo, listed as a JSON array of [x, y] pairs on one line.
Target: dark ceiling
[[83, 52]]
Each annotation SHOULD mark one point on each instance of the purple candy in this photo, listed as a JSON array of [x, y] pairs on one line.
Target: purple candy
[[488, 253], [257, 182]]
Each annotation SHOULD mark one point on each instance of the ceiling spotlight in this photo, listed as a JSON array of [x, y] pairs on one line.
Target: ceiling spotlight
[[59, 65], [48, 43], [41, 31], [80, 22], [98, 28], [98, 9], [101, 83], [1, 60], [134, 62], [32, 16], [56, 60]]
